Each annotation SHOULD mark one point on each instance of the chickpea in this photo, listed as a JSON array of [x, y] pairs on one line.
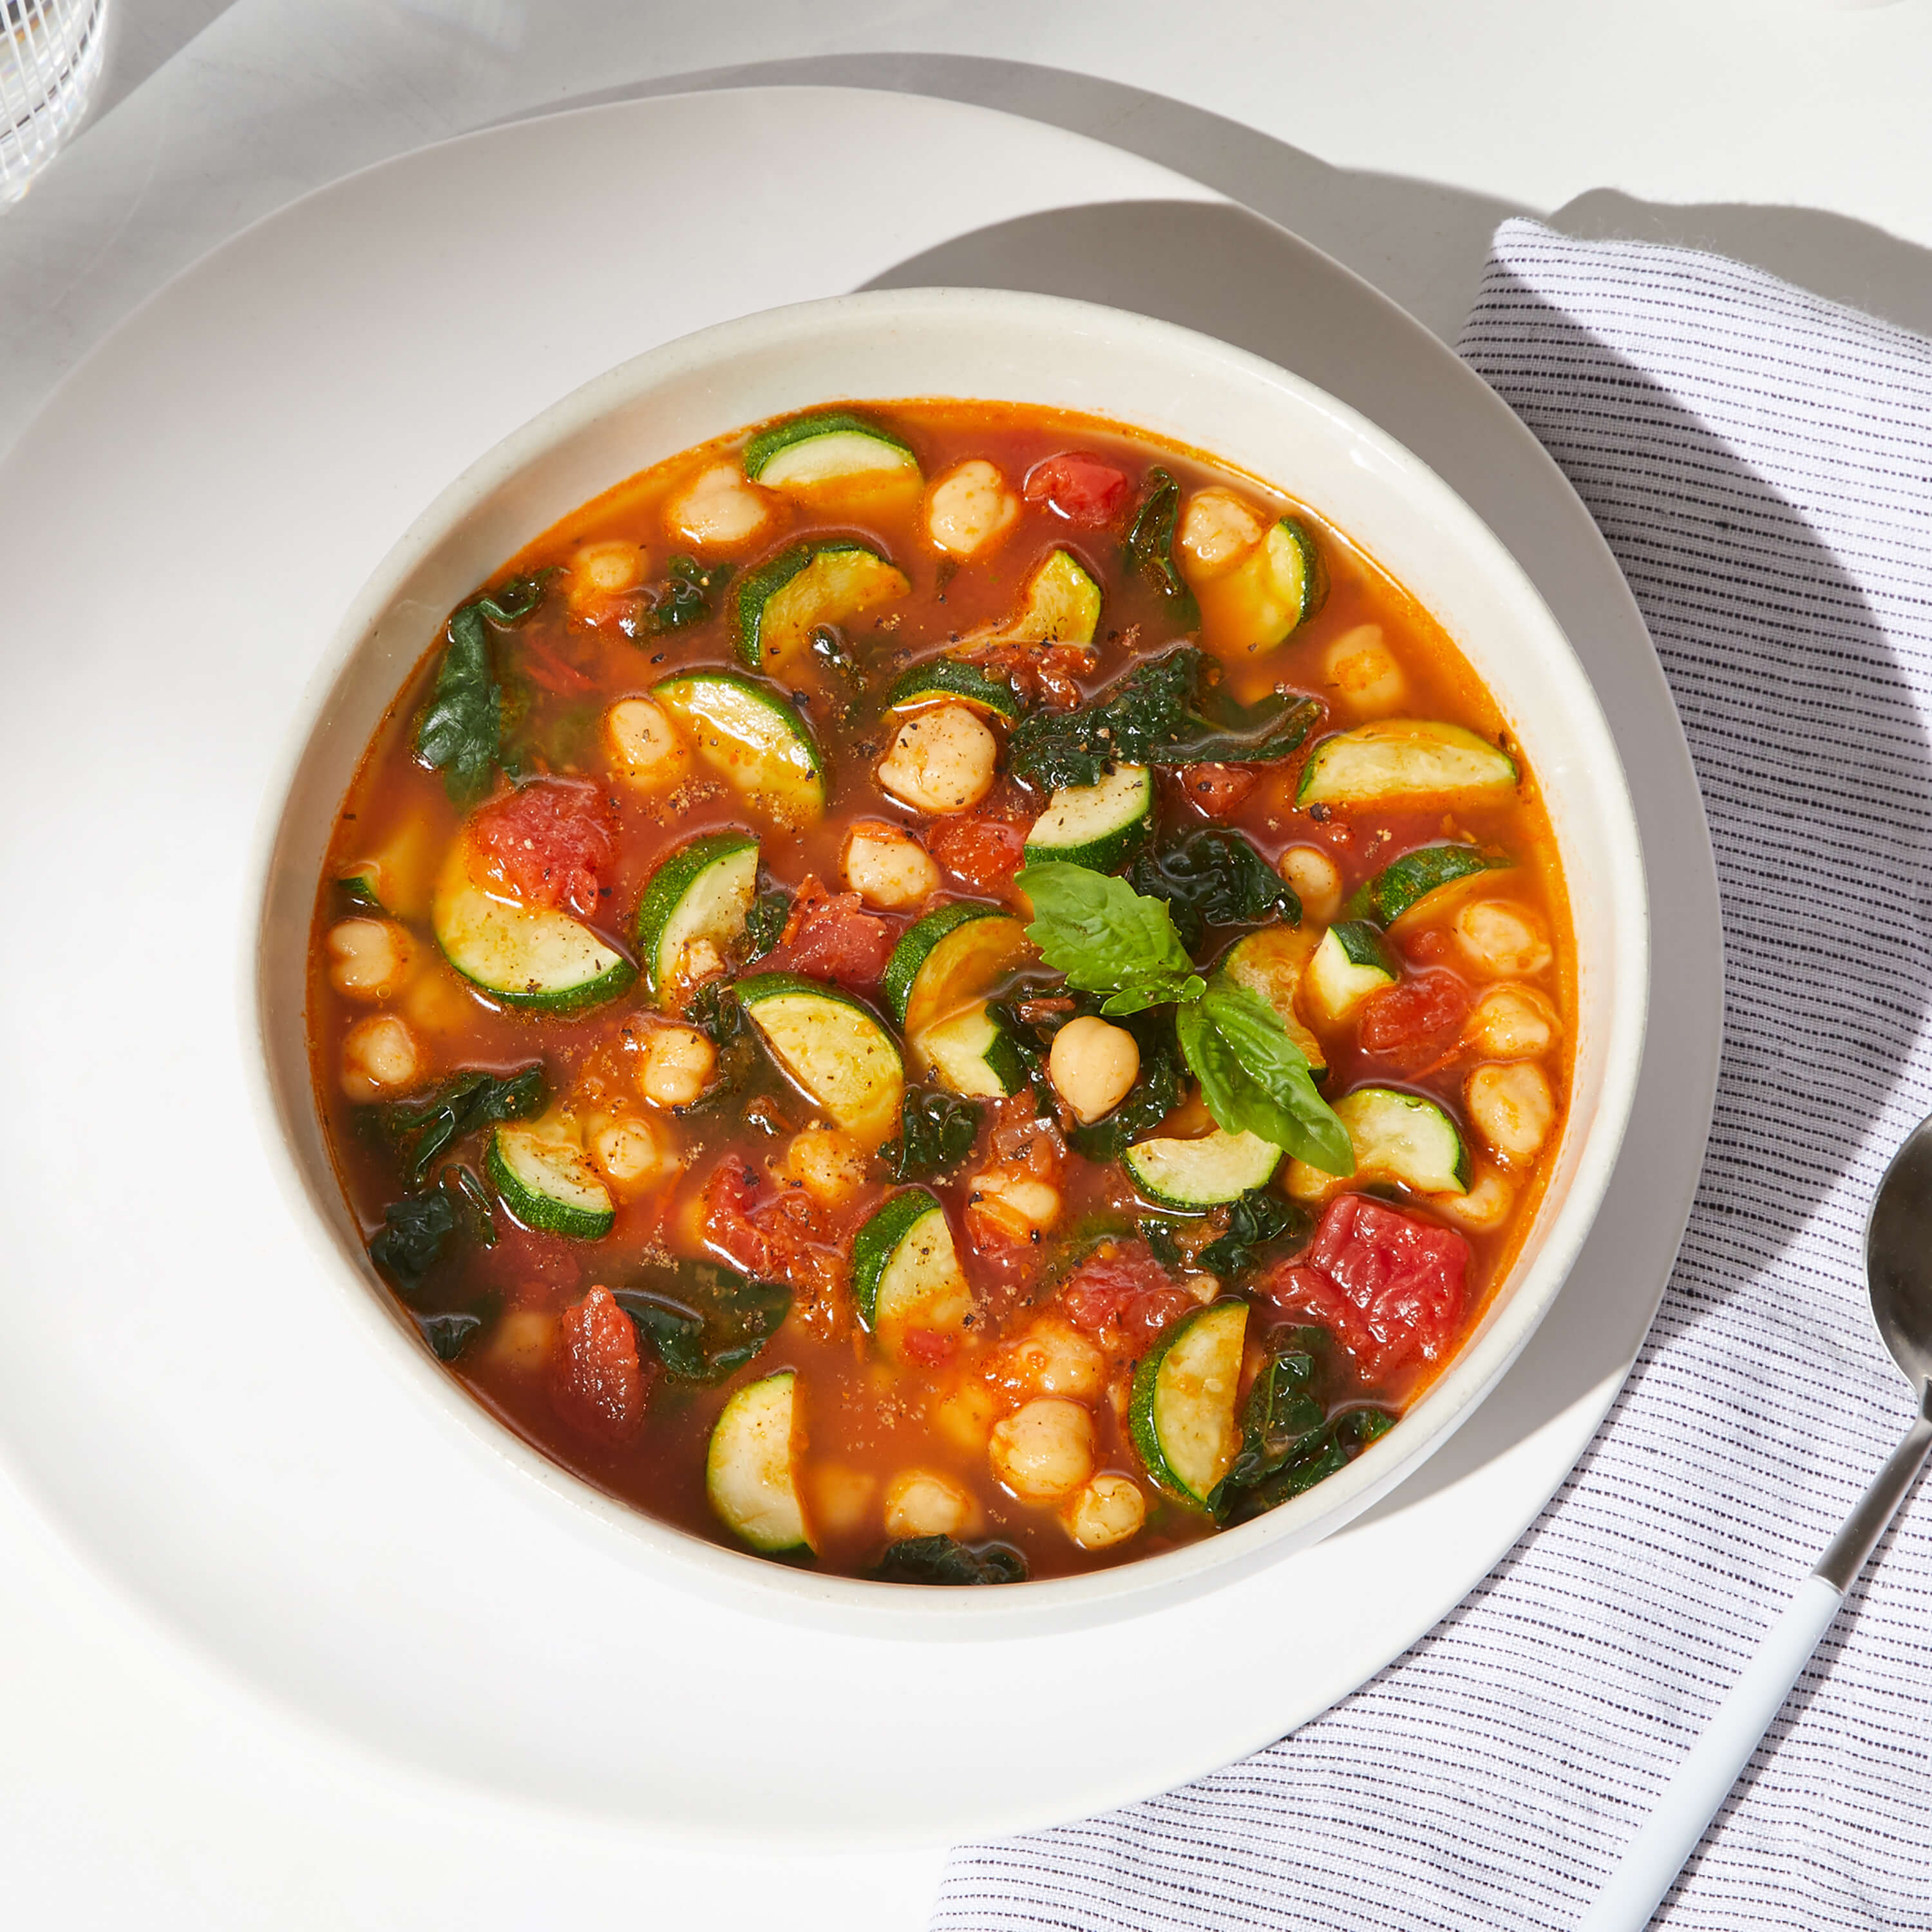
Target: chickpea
[[602, 570], [524, 1340], [841, 1497], [921, 1502], [942, 760], [634, 1156], [1014, 1200], [827, 1164], [1512, 1022], [1512, 1107], [643, 746], [368, 959], [970, 509], [436, 1001], [1316, 880], [718, 510], [1044, 1451], [1053, 1357], [679, 1063], [1362, 671], [1093, 1065], [1485, 1207], [380, 1057], [1502, 939], [889, 868], [1105, 1511], [963, 1416], [1217, 529]]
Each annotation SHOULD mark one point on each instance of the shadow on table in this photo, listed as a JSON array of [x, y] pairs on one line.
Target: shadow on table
[[1422, 243]]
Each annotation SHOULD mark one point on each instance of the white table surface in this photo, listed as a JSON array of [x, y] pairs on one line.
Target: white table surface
[[137, 1786]]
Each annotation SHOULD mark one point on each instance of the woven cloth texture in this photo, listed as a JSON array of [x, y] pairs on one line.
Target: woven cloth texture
[[1760, 462]]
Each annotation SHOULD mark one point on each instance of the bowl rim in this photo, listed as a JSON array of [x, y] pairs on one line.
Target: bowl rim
[[757, 1584]]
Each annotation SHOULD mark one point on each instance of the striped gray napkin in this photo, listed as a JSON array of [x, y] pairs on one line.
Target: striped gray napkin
[[1760, 461]]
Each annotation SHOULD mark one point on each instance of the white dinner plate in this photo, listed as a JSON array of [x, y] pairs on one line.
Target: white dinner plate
[[182, 1392]]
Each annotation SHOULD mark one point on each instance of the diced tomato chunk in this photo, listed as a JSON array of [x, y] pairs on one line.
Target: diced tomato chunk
[[780, 1234], [983, 850], [1414, 1023], [1218, 789], [1122, 1295], [1050, 672], [830, 936], [1390, 1286], [552, 843], [930, 1348], [1083, 488], [598, 1381]]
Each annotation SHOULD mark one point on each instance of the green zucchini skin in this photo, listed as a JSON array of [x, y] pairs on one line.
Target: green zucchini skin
[[750, 1473], [832, 1044], [702, 891], [856, 578], [530, 1180], [946, 680], [1186, 1436], [922, 941], [530, 958], [1100, 826], [1194, 1175], [1398, 759], [764, 449], [751, 737], [906, 1271], [1403, 884]]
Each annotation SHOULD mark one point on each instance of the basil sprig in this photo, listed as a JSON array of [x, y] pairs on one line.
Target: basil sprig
[[1108, 938]]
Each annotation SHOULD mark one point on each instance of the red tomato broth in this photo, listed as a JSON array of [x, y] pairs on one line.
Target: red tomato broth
[[866, 1419]]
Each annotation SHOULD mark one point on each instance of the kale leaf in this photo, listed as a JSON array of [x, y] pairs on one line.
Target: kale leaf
[[941, 1559], [1213, 878], [683, 596], [1150, 546], [414, 1233], [937, 1131], [1150, 718], [1138, 717], [461, 731], [1254, 1221], [448, 1335], [705, 1322], [765, 922], [422, 1130], [714, 1011], [1289, 1442]]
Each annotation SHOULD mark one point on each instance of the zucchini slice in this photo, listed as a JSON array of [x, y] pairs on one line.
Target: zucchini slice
[[1269, 964], [973, 1054], [1403, 885], [1098, 825], [834, 1047], [949, 958], [777, 607], [548, 1184], [828, 447], [752, 738], [399, 878], [701, 891], [1182, 1411], [906, 1272], [1266, 597], [1396, 1136], [1060, 605], [1350, 964], [947, 681], [1198, 1174], [751, 1468], [1406, 759], [528, 957]]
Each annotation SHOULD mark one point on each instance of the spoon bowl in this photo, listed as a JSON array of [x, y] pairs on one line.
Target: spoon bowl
[[1898, 1257]]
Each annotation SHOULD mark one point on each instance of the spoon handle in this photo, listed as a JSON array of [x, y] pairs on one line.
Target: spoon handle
[[1686, 1804]]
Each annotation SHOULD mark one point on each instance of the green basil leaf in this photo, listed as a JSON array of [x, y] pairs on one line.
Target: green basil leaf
[[1106, 937], [1255, 1080]]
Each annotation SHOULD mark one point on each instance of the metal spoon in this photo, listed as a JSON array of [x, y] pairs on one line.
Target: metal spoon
[[1898, 1276]]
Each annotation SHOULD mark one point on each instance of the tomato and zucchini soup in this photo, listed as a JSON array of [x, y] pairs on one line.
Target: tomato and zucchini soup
[[943, 991]]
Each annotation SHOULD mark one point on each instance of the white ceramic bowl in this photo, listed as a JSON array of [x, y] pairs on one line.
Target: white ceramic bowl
[[1030, 348]]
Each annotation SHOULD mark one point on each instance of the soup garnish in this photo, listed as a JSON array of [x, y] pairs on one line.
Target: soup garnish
[[943, 992]]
